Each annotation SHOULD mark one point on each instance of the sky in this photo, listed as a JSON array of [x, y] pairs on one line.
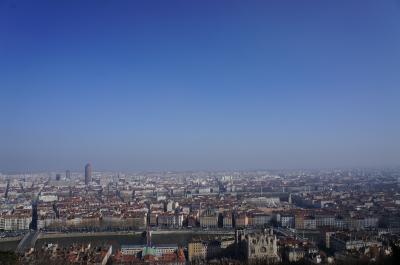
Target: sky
[[210, 84]]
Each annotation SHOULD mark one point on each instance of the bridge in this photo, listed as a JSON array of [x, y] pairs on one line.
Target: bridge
[[288, 233], [28, 241]]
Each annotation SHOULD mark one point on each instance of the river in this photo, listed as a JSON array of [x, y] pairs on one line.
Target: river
[[116, 240]]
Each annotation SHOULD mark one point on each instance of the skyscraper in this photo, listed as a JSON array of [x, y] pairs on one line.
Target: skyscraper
[[88, 173], [68, 174]]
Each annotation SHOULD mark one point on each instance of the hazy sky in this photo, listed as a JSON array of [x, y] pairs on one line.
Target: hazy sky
[[136, 85]]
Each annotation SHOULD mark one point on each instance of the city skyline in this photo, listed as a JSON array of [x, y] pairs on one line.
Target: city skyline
[[208, 85], [199, 132]]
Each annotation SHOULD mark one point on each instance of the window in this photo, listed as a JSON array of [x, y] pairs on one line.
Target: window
[[263, 250]]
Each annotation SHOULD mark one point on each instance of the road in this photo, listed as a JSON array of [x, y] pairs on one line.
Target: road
[[28, 241]]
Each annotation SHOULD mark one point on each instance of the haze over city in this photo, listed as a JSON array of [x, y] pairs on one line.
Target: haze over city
[[199, 132], [177, 85]]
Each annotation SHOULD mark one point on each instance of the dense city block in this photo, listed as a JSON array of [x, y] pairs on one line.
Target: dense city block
[[309, 216]]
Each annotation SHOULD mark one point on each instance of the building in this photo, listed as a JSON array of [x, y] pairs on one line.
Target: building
[[241, 220], [74, 254], [261, 246], [197, 251], [347, 242], [153, 218], [202, 250], [170, 220], [46, 220], [327, 238], [15, 222], [88, 173], [294, 254], [259, 219], [169, 206], [287, 221], [227, 220], [48, 197], [325, 221], [370, 222], [299, 221], [143, 250], [163, 249], [136, 220], [209, 219], [213, 249], [68, 174], [309, 223]]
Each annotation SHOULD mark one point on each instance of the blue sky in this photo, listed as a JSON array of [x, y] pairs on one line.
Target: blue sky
[[143, 85]]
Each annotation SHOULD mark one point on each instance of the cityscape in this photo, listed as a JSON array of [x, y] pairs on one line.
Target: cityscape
[[233, 217], [199, 132]]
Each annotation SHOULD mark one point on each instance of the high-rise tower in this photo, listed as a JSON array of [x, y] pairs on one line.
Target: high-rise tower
[[88, 173], [68, 174]]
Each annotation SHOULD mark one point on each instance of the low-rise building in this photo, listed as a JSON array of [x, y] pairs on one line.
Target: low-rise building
[[227, 220], [209, 219], [197, 251]]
